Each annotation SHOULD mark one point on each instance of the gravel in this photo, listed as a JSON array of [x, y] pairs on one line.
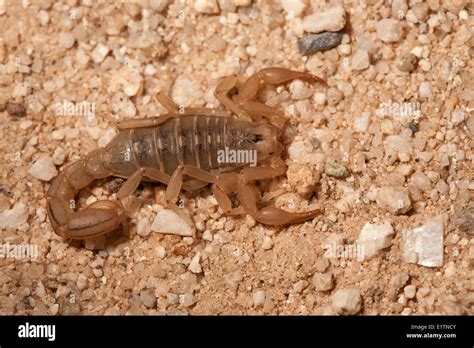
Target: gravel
[[394, 199], [375, 237], [389, 30], [142, 48], [15, 217], [333, 19], [167, 221], [346, 301], [43, 169], [424, 244], [312, 43]]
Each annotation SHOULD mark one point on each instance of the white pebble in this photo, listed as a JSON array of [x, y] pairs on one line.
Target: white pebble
[[99, 53], [43, 169], [375, 237], [259, 298], [425, 90], [267, 243], [294, 8], [26, 124], [195, 266], [394, 199], [143, 227], [346, 301], [424, 245], [167, 221], [58, 156], [43, 17], [389, 30], [361, 123], [299, 90], [206, 6], [333, 19], [66, 40], [360, 60], [15, 217]]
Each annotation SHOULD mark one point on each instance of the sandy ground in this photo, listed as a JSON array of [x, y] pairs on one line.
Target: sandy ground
[[117, 55]]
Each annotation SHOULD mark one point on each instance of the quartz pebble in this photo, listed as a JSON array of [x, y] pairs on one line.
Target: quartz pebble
[[259, 298], [375, 237], [206, 6], [389, 30], [360, 60], [346, 301], [322, 281], [143, 227], [59, 156], [15, 217], [99, 53], [333, 19], [294, 8], [399, 9], [66, 40], [194, 265], [424, 244], [167, 221], [394, 199], [43, 169], [361, 123], [312, 43]]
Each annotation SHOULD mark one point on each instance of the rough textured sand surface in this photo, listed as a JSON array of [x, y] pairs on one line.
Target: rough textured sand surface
[[387, 142]]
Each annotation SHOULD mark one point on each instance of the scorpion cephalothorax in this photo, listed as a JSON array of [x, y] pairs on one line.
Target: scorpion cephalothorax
[[180, 149]]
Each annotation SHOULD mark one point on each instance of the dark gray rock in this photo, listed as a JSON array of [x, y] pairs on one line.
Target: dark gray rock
[[312, 43]]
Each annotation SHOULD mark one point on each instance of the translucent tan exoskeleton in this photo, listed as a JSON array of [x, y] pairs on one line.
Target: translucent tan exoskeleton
[[181, 149]]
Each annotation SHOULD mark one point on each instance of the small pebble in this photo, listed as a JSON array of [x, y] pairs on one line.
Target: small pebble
[[167, 221], [143, 227], [206, 6], [312, 43], [66, 40], [360, 60], [194, 265], [407, 62], [424, 245], [333, 19], [43, 169], [346, 301], [15, 109], [259, 298], [425, 90], [15, 217], [389, 30], [294, 8], [267, 243], [375, 237], [409, 291], [99, 53], [322, 281], [394, 199], [336, 170]]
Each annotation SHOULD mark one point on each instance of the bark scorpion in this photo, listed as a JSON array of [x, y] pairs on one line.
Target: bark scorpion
[[179, 149]]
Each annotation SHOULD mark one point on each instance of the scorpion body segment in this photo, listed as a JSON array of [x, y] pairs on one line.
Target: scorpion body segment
[[182, 149]]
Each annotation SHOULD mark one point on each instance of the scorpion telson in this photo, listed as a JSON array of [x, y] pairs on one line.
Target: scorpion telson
[[179, 149]]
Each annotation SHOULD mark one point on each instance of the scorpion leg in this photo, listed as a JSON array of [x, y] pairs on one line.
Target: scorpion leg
[[269, 215], [174, 108], [127, 189], [268, 76], [221, 94]]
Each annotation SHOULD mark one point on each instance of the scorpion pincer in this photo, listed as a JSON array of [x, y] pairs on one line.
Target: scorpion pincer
[[180, 149]]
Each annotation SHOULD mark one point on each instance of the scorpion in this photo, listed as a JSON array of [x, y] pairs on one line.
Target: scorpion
[[179, 149]]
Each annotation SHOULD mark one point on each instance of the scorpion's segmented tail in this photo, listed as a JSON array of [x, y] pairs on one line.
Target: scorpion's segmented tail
[[96, 219]]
